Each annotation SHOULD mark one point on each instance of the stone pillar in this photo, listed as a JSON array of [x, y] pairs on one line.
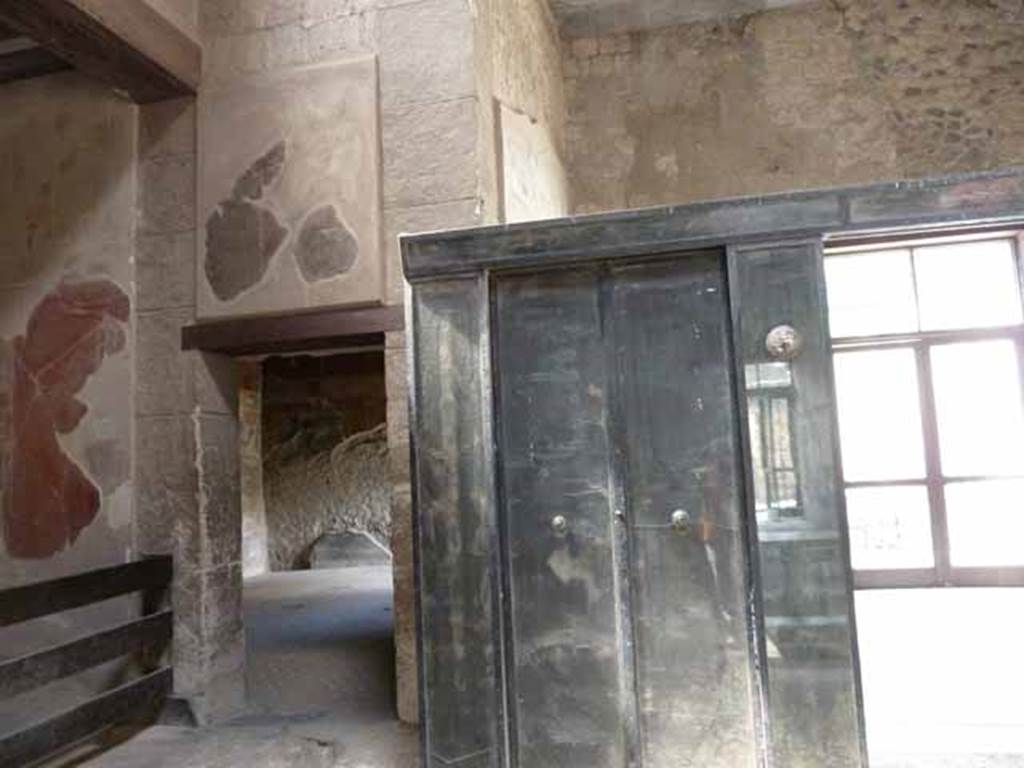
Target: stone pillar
[[187, 497], [435, 118], [255, 552], [432, 120]]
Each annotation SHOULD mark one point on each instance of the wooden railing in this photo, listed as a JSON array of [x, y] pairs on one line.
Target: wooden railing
[[146, 637]]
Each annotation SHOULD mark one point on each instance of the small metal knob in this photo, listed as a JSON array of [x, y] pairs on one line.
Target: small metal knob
[[784, 342], [680, 519], [559, 524]]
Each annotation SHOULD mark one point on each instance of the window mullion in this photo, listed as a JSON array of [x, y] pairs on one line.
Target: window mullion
[[933, 463]]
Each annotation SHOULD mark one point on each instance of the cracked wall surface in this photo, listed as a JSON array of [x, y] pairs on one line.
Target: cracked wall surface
[[834, 93]]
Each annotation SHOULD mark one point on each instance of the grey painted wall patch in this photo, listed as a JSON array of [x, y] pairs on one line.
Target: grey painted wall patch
[[242, 237], [325, 248], [250, 184]]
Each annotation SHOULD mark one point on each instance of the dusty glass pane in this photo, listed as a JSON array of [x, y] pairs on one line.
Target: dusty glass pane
[[771, 444], [890, 527], [967, 285], [879, 415], [978, 403], [986, 522], [871, 293]]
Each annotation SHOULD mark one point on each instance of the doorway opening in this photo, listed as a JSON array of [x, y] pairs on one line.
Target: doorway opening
[[316, 525], [928, 347]]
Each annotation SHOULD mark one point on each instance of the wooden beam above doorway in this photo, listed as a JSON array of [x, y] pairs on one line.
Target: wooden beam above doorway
[[22, 57], [125, 43], [300, 332]]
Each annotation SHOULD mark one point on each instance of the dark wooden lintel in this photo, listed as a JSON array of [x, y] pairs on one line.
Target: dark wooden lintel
[[125, 43], [29, 62], [303, 332]]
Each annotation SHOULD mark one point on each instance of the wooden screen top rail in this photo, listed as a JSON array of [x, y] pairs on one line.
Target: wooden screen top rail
[[41, 599]]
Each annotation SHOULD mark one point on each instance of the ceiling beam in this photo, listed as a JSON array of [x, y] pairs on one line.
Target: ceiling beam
[[125, 43], [19, 63]]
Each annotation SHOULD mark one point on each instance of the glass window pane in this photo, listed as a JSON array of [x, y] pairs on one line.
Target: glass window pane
[[986, 522], [871, 293], [879, 415], [978, 403], [967, 285], [889, 527]]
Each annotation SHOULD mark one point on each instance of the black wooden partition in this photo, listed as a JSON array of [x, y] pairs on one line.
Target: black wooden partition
[[598, 584], [147, 637]]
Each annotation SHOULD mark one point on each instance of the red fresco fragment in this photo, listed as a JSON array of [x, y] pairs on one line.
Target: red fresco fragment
[[49, 500]]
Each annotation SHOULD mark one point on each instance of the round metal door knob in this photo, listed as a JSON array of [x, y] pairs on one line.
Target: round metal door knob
[[559, 524], [680, 520], [784, 342]]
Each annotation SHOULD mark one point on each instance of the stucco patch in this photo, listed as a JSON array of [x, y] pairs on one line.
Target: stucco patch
[[241, 239], [250, 184], [326, 248]]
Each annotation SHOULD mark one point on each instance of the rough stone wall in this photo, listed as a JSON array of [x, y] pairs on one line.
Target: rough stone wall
[[345, 488], [187, 494], [325, 458], [844, 92]]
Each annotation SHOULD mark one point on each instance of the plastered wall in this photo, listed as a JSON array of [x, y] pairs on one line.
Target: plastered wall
[[832, 93], [519, 69], [67, 228]]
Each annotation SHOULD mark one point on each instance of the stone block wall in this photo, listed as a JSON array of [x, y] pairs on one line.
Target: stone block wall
[[432, 174], [187, 491], [826, 94]]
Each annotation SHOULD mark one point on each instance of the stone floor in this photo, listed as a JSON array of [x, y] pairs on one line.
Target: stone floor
[[320, 682]]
